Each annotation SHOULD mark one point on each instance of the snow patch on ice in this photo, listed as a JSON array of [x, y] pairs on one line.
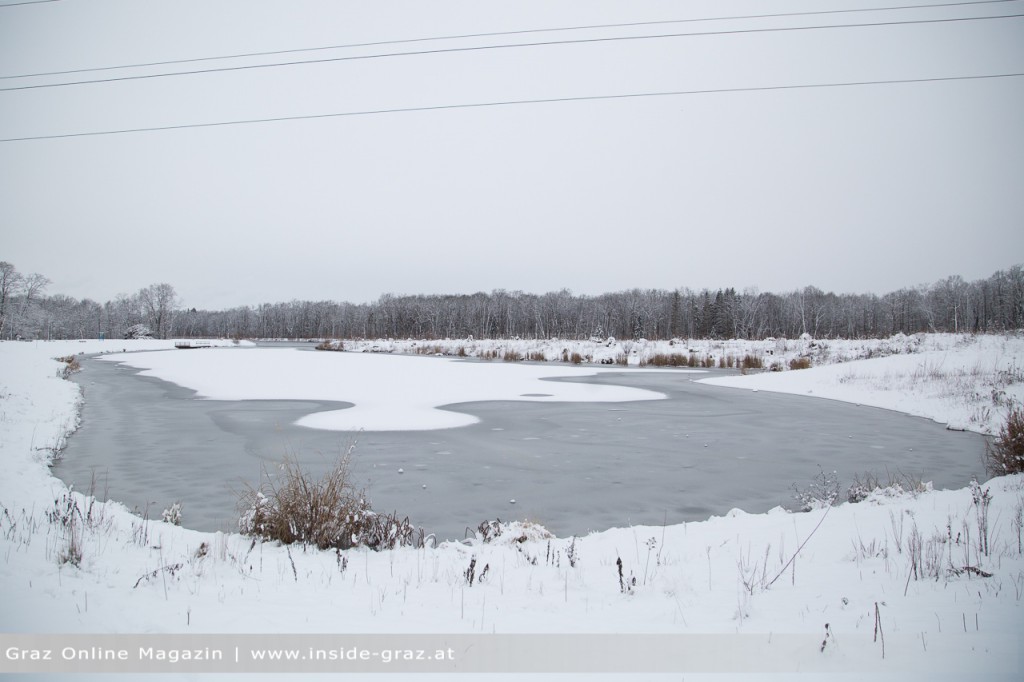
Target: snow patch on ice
[[389, 392]]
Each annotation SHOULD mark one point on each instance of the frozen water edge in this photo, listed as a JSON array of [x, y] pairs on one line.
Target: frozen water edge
[[573, 467]]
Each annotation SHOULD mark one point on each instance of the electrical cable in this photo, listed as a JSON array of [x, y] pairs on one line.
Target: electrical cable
[[498, 34], [479, 105], [510, 46], [28, 2]]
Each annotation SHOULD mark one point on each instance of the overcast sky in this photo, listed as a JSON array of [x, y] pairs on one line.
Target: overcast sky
[[850, 189]]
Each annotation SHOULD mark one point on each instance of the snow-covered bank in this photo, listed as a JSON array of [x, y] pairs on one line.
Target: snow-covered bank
[[967, 382], [945, 585], [774, 353]]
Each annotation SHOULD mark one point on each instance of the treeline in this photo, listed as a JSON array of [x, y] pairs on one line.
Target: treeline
[[949, 305]]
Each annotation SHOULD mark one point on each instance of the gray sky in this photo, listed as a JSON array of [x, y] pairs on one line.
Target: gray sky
[[851, 189]]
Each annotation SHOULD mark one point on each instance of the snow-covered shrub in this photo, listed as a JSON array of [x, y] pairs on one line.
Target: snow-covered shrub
[[511, 532], [70, 366], [488, 530], [822, 492], [858, 492], [330, 345], [138, 331], [1005, 455], [172, 514], [872, 486]]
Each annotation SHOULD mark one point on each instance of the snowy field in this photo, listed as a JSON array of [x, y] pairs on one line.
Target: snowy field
[[903, 585]]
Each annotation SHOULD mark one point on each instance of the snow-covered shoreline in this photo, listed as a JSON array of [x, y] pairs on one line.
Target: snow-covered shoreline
[[915, 557]]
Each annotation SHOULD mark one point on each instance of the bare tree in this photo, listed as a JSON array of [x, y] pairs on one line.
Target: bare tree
[[31, 290], [10, 280], [158, 303], [18, 295]]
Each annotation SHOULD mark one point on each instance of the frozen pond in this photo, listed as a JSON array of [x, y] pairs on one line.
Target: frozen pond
[[571, 466]]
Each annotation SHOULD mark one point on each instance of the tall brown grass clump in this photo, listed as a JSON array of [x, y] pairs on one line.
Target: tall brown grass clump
[[667, 360], [328, 512], [752, 362], [1005, 455], [800, 363]]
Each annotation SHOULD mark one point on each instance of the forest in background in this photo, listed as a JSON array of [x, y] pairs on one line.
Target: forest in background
[[952, 304]]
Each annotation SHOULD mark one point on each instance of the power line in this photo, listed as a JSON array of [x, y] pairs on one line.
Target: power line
[[28, 2], [481, 105], [498, 34], [478, 48]]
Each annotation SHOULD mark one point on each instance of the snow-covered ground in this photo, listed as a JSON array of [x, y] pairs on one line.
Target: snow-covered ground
[[943, 585], [967, 382]]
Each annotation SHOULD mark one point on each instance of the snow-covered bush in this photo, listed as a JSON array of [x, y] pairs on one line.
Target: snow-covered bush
[[511, 532], [138, 331], [873, 487], [71, 366], [172, 515], [328, 344], [822, 492]]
